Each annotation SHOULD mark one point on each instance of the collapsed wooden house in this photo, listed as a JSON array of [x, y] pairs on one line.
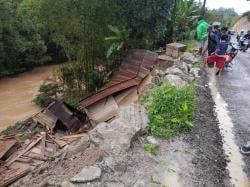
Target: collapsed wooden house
[[104, 104]]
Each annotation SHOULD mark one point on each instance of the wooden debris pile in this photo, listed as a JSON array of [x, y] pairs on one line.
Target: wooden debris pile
[[18, 159]]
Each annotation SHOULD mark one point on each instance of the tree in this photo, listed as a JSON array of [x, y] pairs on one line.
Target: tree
[[204, 7], [227, 16], [21, 46], [184, 17]]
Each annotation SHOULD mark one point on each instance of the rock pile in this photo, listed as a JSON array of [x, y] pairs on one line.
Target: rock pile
[[180, 74]]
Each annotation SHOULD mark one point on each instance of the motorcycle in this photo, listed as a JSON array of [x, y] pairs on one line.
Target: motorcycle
[[241, 41], [246, 44], [231, 54]]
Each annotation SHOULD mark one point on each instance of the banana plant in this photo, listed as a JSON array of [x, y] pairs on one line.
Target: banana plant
[[119, 40]]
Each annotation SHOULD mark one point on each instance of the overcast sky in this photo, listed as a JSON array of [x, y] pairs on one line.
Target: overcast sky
[[239, 5]]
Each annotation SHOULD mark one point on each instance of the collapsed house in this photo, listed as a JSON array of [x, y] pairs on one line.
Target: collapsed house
[[103, 105], [62, 125], [58, 116]]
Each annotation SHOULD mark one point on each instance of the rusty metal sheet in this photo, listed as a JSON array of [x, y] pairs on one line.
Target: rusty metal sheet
[[134, 68], [64, 115], [109, 91]]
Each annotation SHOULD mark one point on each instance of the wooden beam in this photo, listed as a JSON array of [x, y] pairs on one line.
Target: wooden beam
[[32, 144]]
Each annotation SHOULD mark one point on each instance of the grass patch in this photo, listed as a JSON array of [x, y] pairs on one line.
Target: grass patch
[[151, 148], [191, 45], [171, 110], [197, 64]]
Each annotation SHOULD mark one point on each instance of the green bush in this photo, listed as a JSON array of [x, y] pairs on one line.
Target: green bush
[[171, 110], [46, 91], [71, 101], [151, 148]]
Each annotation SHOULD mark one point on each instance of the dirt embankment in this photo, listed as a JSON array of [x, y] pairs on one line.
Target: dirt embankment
[[242, 24], [194, 159]]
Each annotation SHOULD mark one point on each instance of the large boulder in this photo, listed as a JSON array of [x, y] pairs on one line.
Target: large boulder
[[174, 70], [195, 72], [115, 138], [183, 66], [189, 58], [88, 174], [176, 81]]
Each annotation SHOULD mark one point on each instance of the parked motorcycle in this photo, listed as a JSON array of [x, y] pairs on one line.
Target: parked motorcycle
[[241, 41], [246, 44], [231, 54]]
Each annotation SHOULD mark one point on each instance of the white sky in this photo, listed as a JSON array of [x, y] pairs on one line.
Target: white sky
[[240, 6]]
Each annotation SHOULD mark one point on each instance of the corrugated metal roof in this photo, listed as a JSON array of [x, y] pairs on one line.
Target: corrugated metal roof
[[134, 68], [63, 114]]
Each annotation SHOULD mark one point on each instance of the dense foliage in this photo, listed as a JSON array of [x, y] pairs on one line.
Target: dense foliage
[[92, 35], [184, 19], [21, 46], [171, 110]]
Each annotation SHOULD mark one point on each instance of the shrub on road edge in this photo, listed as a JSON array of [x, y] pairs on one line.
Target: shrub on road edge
[[171, 110]]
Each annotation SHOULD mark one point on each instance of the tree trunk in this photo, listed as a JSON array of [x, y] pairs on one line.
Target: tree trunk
[[204, 7]]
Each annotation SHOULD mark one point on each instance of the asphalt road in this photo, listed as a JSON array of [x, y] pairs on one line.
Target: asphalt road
[[234, 87]]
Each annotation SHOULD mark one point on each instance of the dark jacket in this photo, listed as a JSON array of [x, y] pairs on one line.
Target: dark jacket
[[247, 36], [212, 42]]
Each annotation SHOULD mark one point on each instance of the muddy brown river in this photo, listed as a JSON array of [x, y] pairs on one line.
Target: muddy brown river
[[17, 94]]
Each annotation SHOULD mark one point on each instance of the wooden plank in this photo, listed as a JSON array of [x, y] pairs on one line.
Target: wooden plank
[[24, 159], [10, 180], [34, 157], [73, 136], [43, 144], [32, 144], [61, 143]]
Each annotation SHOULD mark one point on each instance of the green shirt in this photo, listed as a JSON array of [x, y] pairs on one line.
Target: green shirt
[[202, 30]]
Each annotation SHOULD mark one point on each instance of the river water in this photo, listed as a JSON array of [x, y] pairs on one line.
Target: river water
[[17, 94]]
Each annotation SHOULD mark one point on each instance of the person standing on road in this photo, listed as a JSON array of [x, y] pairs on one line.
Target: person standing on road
[[212, 40], [217, 31], [225, 32], [247, 37], [212, 43], [202, 35], [219, 55]]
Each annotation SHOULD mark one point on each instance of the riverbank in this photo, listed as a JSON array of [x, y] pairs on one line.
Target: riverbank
[[17, 94], [195, 158]]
